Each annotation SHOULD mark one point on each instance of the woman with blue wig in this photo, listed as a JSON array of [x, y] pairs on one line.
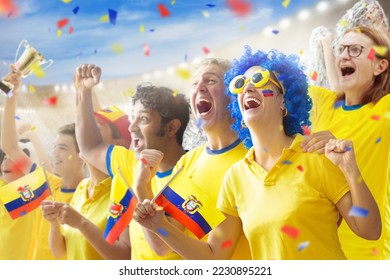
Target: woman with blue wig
[[287, 202]]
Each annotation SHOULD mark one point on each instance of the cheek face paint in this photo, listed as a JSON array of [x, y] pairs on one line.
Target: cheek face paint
[[268, 93]]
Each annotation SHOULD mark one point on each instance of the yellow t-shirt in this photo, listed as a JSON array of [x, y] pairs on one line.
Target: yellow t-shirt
[[15, 237], [41, 249], [299, 193], [368, 127], [95, 210], [127, 162], [207, 168]]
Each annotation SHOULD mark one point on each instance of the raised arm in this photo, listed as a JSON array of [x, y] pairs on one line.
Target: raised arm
[[369, 226], [152, 217], [9, 136], [329, 61], [92, 147], [27, 131]]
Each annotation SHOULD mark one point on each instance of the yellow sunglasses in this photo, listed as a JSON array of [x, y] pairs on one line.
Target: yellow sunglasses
[[258, 79]]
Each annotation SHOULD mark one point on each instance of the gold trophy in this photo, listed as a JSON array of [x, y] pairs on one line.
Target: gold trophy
[[23, 65]]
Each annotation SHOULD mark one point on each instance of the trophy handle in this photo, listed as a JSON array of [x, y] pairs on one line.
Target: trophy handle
[[23, 42], [48, 64]]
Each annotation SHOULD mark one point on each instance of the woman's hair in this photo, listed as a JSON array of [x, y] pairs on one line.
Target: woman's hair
[[381, 85], [290, 74]]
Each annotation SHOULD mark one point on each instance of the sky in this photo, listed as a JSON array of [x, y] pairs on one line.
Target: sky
[[139, 40]]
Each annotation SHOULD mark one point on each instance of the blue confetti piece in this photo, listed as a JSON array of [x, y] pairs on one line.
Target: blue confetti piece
[[348, 149], [162, 231], [378, 140], [95, 52], [358, 212], [23, 213], [151, 30], [210, 5], [199, 122], [112, 15], [185, 58], [76, 10], [265, 149], [17, 118], [303, 245], [338, 104], [287, 162], [276, 32]]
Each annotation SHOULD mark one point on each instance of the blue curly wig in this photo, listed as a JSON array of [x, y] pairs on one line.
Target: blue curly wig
[[290, 74]]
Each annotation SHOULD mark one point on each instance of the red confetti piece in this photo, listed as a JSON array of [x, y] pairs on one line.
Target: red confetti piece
[[143, 160], [164, 12], [146, 50], [291, 231], [62, 22], [376, 117], [7, 7], [205, 50], [314, 76], [375, 252], [239, 7], [306, 130], [70, 30], [51, 101], [371, 54], [227, 244], [300, 168]]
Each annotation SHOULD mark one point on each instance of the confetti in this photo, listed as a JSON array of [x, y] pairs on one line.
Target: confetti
[[374, 252], [343, 23], [104, 18], [300, 168], [59, 33], [112, 14], [62, 23], [76, 10], [186, 57], [376, 117], [371, 54], [357, 212], [380, 50], [117, 48], [300, 52], [37, 70], [175, 93], [378, 140], [17, 118], [162, 231], [338, 104], [303, 245], [31, 88], [306, 130], [146, 50], [66, 1], [348, 149], [227, 244], [239, 7], [276, 32], [143, 160], [70, 30], [287, 162], [70, 157], [50, 101], [210, 5], [205, 50], [142, 28], [314, 76], [286, 3], [291, 231], [95, 52], [199, 123], [265, 149], [151, 29], [163, 10], [33, 128], [173, 2], [205, 14], [183, 74]]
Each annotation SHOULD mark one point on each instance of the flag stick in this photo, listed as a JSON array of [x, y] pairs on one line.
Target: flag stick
[[166, 185], [124, 180], [47, 180]]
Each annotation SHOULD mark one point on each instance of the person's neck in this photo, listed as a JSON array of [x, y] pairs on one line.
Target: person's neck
[[220, 137], [96, 176], [269, 146], [172, 154], [71, 181]]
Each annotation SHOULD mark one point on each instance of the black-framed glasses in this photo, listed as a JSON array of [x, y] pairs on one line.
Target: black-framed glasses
[[353, 50]]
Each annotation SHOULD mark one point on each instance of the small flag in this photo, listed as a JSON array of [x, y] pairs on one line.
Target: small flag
[[358, 212], [189, 205], [122, 205], [24, 194]]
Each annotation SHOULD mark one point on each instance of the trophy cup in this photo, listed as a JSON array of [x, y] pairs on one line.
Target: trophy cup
[[23, 65]]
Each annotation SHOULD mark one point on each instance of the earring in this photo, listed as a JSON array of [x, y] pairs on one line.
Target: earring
[[243, 125], [284, 111]]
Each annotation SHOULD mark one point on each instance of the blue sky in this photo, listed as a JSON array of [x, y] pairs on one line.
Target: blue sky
[[191, 26]]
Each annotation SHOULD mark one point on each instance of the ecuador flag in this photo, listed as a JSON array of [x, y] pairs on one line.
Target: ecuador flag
[[24, 194], [122, 205], [189, 205]]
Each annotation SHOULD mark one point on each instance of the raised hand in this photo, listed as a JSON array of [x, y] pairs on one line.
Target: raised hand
[[25, 131], [148, 215], [148, 165], [87, 76], [50, 210], [14, 77], [341, 153]]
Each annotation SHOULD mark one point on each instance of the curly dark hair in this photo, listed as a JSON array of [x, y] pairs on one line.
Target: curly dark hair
[[290, 75], [169, 105]]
